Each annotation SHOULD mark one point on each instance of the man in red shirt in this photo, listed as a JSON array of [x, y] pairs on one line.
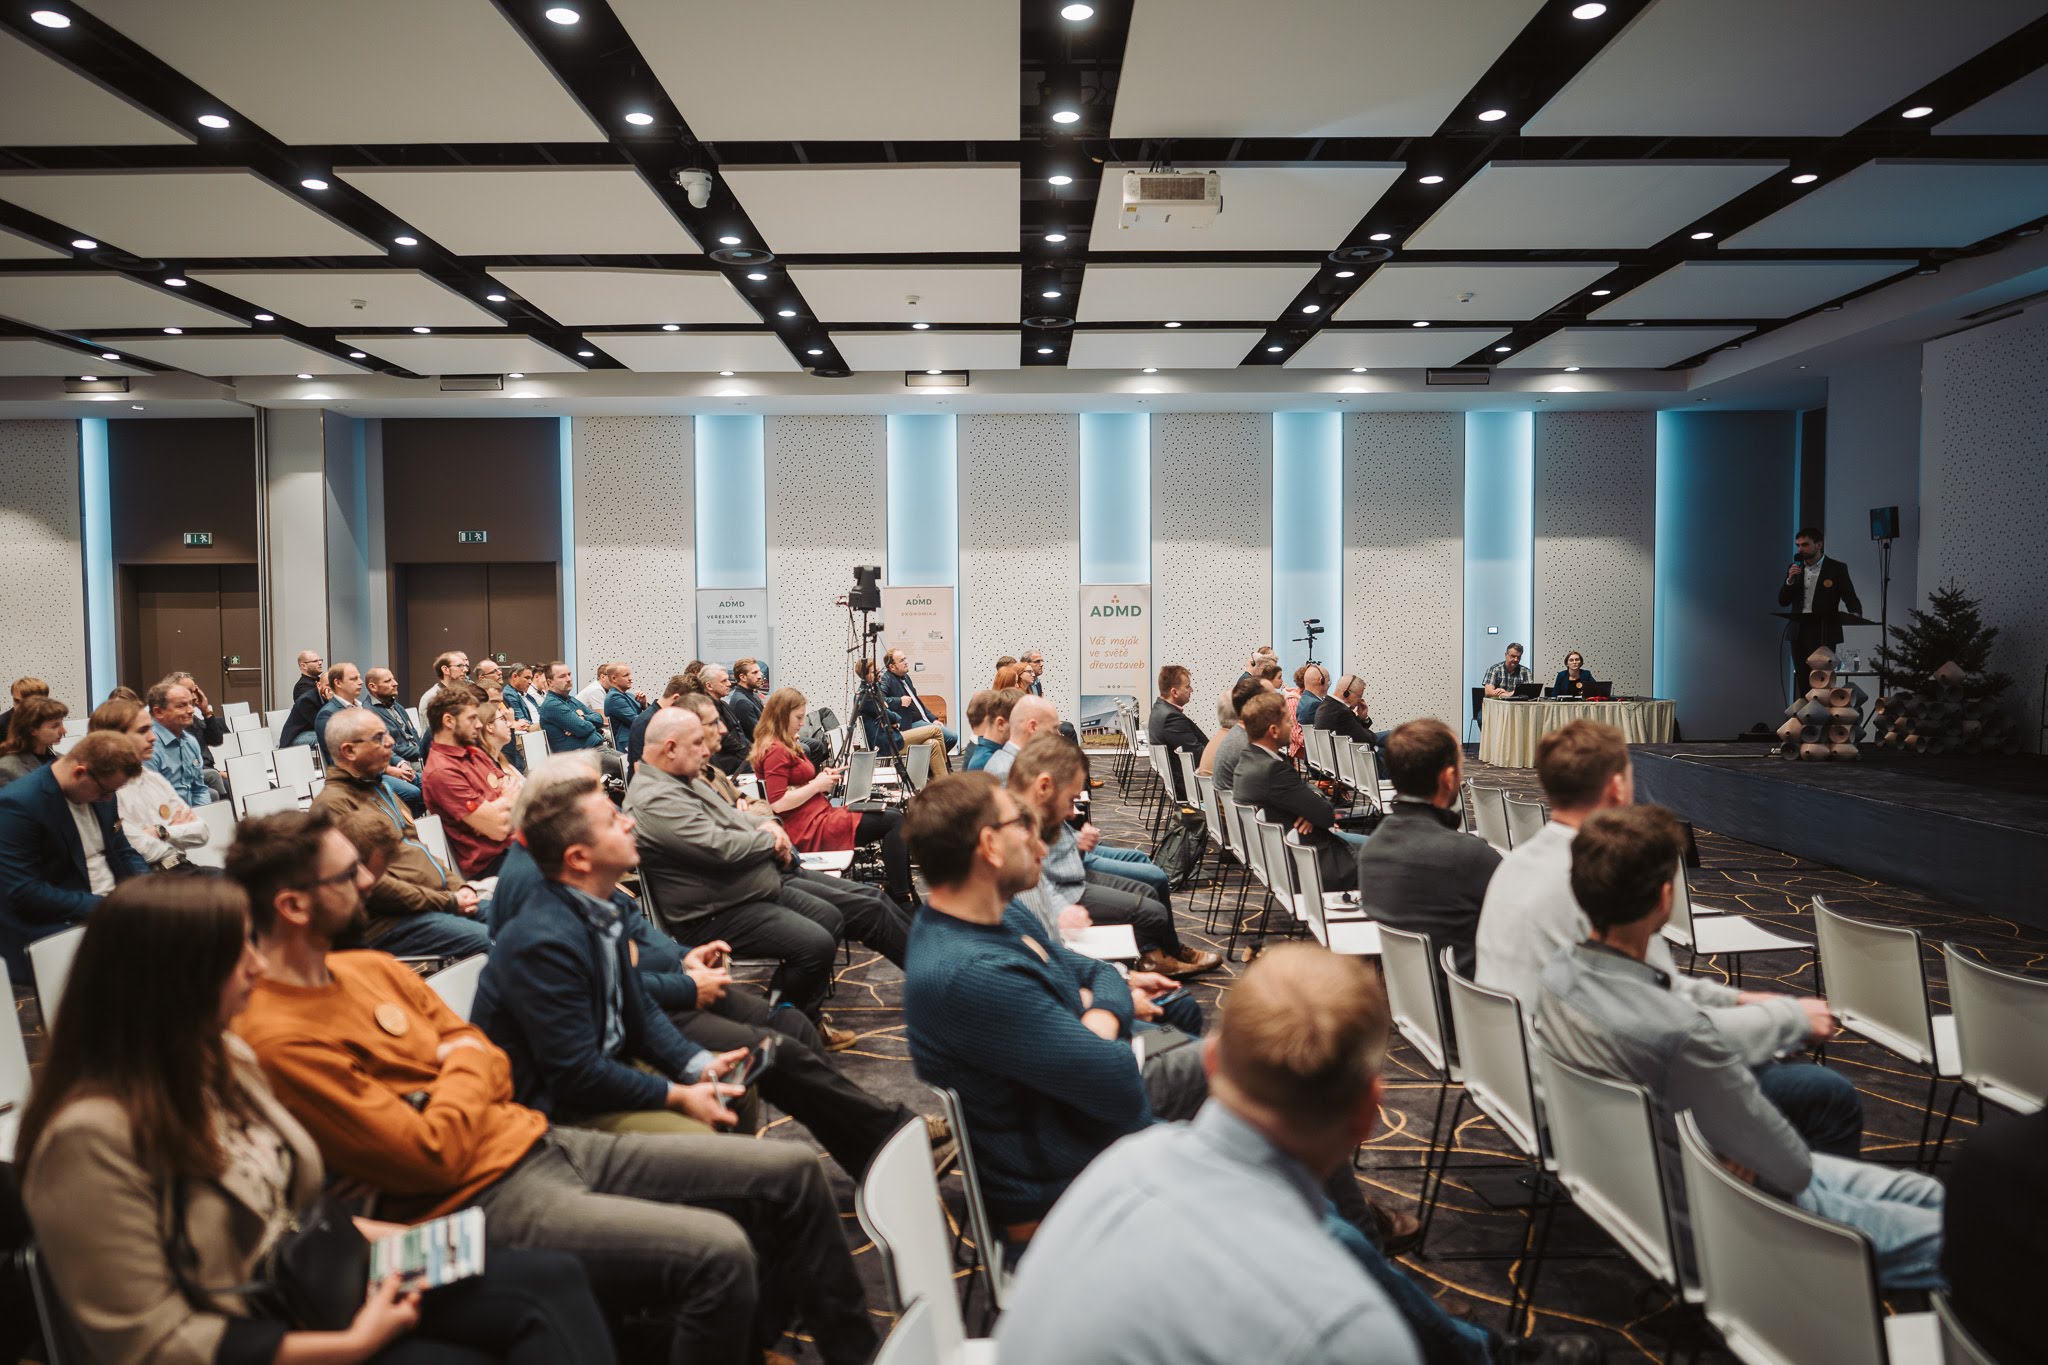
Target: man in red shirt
[[463, 786]]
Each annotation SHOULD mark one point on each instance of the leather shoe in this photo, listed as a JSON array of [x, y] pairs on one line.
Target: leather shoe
[[1188, 962], [1400, 1231], [836, 1039]]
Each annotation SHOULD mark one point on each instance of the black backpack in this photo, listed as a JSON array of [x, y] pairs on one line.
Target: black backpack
[[1180, 851]]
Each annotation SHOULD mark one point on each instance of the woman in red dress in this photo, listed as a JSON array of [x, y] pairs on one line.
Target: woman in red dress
[[796, 791]]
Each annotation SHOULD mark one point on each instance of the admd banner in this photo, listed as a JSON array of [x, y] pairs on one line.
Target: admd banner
[[1116, 650]]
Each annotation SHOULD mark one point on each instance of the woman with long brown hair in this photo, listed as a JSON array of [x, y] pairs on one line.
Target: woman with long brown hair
[[496, 719], [159, 1170], [33, 734], [797, 791]]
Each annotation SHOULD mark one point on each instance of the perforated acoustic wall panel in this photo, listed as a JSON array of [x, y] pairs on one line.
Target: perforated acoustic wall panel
[[1596, 523], [42, 584], [825, 515], [1212, 563], [1019, 560], [636, 560], [1404, 562]]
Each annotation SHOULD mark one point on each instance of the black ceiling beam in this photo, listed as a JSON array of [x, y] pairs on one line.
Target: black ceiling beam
[[600, 66]]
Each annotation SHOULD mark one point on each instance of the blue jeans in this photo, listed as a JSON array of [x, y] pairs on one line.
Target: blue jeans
[[433, 933], [1355, 840], [1898, 1210], [408, 792], [1118, 861], [1822, 1104]]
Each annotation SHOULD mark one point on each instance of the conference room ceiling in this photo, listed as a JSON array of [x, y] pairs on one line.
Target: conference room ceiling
[[490, 186]]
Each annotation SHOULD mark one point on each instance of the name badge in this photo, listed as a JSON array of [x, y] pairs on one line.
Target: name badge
[[392, 1019], [1827, 582]]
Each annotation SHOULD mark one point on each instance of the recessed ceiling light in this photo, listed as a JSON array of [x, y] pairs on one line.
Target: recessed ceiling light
[[1311, 308], [1055, 237], [1045, 350], [1048, 293], [136, 406], [815, 350], [516, 374], [1917, 111], [1571, 369], [109, 355], [304, 375], [586, 355], [1588, 11], [1635, 324], [49, 18], [1173, 324], [1602, 293], [1358, 369], [934, 371], [1806, 179], [1151, 369], [1928, 270], [639, 118], [1502, 350], [920, 326], [406, 241], [174, 282], [357, 355], [1432, 180], [213, 121], [671, 327], [1381, 237], [1059, 180], [1832, 308], [1492, 115], [1347, 274], [562, 14], [1066, 116], [728, 240], [1276, 349], [494, 298], [265, 317], [725, 374], [785, 312], [88, 379], [1418, 324], [1074, 14], [174, 331], [313, 182], [423, 330], [84, 244], [1701, 236]]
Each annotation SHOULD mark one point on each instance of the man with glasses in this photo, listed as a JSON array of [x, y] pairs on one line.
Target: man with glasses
[[450, 666], [178, 755], [311, 666], [418, 908], [61, 846]]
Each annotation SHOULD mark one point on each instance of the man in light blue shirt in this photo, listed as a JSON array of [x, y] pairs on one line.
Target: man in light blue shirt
[[177, 755]]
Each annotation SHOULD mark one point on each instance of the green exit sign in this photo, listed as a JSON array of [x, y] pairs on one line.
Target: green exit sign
[[198, 539], [472, 537]]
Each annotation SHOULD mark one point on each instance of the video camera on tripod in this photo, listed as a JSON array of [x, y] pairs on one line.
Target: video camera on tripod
[[1312, 627], [869, 705]]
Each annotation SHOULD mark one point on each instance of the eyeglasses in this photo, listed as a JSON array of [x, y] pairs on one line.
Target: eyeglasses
[[1022, 818], [347, 874]]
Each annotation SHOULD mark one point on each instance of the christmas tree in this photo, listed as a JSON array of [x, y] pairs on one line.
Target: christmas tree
[[1948, 631]]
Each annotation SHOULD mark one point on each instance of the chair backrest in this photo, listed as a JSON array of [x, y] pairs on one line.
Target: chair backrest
[[271, 801], [249, 774], [1307, 876], [219, 819], [456, 983], [49, 961], [1212, 814], [1367, 761], [533, 746], [245, 719], [13, 1072], [1490, 816], [860, 776], [1524, 818], [979, 1225], [296, 766], [1679, 926], [273, 719], [434, 838], [1604, 1134], [1344, 756], [1493, 1052], [232, 711], [1322, 752], [1958, 1347], [1875, 982], [229, 747], [256, 741], [1247, 836], [1186, 760], [1273, 859], [1160, 765], [1467, 807], [919, 1337], [1409, 966], [917, 766], [1783, 1287], [2001, 1022], [897, 1202]]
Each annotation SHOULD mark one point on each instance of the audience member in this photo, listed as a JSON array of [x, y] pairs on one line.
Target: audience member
[[1034, 659], [728, 1238], [878, 715], [911, 713], [1504, 677], [1345, 712], [494, 725], [160, 1170], [33, 734], [702, 707], [1530, 916], [1314, 681], [1030, 717], [344, 689], [622, 705], [1270, 784], [450, 666], [1226, 721], [208, 726], [488, 677], [61, 846], [1169, 724], [570, 723], [988, 733], [729, 752], [1995, 1233], [1605, 1007], [796, 791], [1008, 676], [178, 755], [417, 907], [407, 748], [21, 691], [1421, 871], [311, 666], [1230, 751], [636, 742], [464, 785], [158, 824], [749, 691], [520, 698], [591, 694], [298, 722]]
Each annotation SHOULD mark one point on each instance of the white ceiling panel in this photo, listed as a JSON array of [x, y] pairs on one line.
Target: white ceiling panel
[[878, 70], [184, 213], [450, 354], [217, 356], [44, 103], [1742, 68], [880, 208], [579, 297], [700, 352], [2021, 109], [1181, 350], [1404, 348], [874, 293], [1907, 204], [368, 72], [352, 298], [1265, 208], [15, 247], [80, 302], [24, 356], [1584, 205], [1619, 348], [929, 350], [1461, 289], [1746, 289], [534, 210], [1184, 293], [1306, 68]]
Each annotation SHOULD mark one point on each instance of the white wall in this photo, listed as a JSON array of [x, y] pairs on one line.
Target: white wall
[[1984, 491], [1020, 556], [1874, 461], [826, 505], [1596, 535], [295, 546], [42, 576], [1404, 562], [636, 531], [1212, 561]]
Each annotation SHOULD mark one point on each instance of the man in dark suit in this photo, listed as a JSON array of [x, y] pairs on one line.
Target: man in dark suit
[[1818, 591], [1169, 723], [61, 846], [749, 692], [1269, 784], [918, 724], [1344, 712], [729, 755], [1421, 871]]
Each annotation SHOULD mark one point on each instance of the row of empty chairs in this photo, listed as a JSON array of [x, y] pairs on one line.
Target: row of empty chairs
[[1502, 818]]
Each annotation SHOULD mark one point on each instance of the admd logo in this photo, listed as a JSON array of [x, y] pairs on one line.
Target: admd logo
[[735, 602], [1116, 607], [917, 601]]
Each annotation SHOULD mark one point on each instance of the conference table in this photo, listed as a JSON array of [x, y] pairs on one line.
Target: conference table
[[1510, 730]]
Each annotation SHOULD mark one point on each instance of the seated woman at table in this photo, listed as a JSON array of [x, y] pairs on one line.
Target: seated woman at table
[[1573, 679], [797, 792]]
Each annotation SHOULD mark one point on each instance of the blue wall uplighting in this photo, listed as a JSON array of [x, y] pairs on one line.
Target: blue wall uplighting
[[732, 502], [1308, 535], [1116, 497], [1500, 538]]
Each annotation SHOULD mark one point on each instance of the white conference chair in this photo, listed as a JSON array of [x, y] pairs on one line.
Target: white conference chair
[[219, 819], [1958, 1347], [457, 982], [1718, 933], [1525, 817], [919, 1337], [256, 741], [296, 766], [244, 722], [1335, 922], [1408, 968], [270, 801], [1784, 1287], [2001, 1022], [232, 711], [49, 961], [276, 719], [229, 747], [898, 1205], [917, 766], [1490, 817], [434, 838], [991, 1261], [533, 746], [247, 775], [14, 1074]]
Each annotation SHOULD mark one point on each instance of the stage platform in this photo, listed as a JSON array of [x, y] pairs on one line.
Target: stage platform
[[1972, 831]]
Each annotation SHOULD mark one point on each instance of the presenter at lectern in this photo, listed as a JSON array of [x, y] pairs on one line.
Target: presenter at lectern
[[1817, 590]]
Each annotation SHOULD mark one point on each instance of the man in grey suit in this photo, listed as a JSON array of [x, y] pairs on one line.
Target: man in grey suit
[[716, 872]]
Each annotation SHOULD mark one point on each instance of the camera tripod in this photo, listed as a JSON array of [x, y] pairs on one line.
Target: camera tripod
[[1311, 628], [868, 699]]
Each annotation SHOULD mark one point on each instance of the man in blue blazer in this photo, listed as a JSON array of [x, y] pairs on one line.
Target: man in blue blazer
[[901, 693], [61, 846]]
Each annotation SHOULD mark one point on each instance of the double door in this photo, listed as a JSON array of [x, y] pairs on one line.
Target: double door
[[509, 612], [201, 619]]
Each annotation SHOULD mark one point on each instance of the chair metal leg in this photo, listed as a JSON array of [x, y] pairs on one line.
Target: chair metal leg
[[1439, 1163], [1955, 1097], [1535, 1242], [1926, 1118]]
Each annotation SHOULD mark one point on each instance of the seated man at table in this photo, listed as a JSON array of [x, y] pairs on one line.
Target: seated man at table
[[1504, 677], [1421, 871]]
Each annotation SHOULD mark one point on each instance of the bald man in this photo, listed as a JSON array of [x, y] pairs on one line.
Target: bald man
[[1346, 712], [1031, 716]]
